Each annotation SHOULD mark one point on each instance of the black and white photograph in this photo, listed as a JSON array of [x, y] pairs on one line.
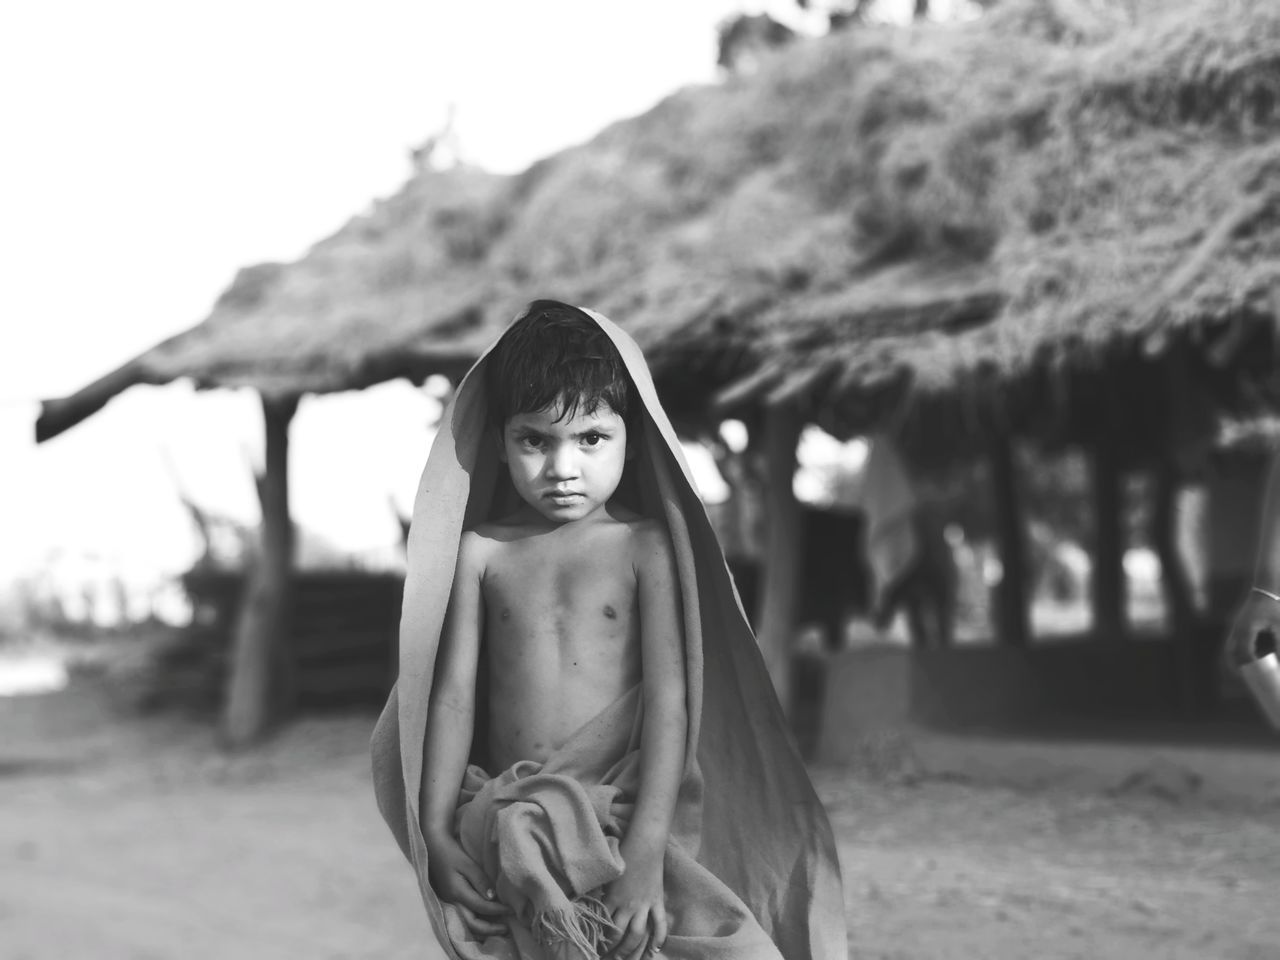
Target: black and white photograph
[[585, 480]]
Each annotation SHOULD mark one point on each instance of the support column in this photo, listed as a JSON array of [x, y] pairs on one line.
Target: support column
[[261, 664], [1175, 583], [1109, 620], [781, 573], [1013, 627]]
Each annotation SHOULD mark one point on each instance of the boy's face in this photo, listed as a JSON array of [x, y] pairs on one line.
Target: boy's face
[[568, 469]]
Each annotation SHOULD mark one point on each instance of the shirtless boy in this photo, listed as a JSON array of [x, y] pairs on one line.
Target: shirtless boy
[[571, 600]]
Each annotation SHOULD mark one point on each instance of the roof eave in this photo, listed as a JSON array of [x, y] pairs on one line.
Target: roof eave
[[61, 414]]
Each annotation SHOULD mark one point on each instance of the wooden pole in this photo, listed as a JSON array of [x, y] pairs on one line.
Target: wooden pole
[[1013, 625], [1174, 579], [782, 548], [1175, 583], [259, 655], [1108, 543]]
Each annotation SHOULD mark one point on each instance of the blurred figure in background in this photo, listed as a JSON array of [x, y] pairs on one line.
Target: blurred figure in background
[[1257, 621]]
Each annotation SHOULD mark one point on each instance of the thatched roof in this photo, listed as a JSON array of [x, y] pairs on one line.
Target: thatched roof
[[873, 222], [1120, 198], [334, 320]]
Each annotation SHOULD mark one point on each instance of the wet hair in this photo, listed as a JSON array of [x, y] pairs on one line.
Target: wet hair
[[556, 355]]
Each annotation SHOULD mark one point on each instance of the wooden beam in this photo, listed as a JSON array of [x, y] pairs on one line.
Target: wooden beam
[[1013, 626], [260, 662], [1108, 583], [1237, 218], [781, 574], [799, 385], [748, 388], [63, 414]]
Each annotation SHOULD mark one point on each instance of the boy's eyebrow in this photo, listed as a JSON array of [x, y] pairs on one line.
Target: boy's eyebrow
[[585, 431]]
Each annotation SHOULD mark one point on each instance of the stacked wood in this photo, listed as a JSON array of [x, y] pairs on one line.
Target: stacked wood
[[343, 630]]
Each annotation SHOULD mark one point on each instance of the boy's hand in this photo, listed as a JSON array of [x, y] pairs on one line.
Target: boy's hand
[[457, 879], [635, 902]]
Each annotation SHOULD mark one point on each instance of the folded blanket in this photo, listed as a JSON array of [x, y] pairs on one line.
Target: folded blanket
[[548, 834], [751, 847]]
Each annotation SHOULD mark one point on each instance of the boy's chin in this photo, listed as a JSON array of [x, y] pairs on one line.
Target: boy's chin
[[563, 512]]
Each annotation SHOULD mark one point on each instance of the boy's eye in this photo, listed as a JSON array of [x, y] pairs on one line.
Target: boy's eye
[[530, 440], [592, 439]]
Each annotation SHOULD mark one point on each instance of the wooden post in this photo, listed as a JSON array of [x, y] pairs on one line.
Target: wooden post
[[1109, 619], [781, 574], [1175, 583], [1174, 579], [259, 656], [1013, 625]]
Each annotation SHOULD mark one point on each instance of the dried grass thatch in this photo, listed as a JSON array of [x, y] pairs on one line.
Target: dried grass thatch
[[872, 224], [334, 319], [1114, 201]]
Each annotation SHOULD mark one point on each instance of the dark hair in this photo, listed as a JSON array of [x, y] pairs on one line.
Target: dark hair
[[556, 354]]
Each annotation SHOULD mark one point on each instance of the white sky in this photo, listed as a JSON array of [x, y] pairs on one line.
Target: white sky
[[152, 148]]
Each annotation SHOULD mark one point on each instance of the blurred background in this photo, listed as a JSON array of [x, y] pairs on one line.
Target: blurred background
[[966, 313]]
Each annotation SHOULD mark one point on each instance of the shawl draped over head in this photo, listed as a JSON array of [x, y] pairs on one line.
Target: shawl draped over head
[[747, 810]]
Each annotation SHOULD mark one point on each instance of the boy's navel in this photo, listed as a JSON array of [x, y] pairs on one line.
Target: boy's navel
[[611, 613]]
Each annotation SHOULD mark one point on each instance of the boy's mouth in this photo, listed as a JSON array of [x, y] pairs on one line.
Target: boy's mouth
[[562, 497]]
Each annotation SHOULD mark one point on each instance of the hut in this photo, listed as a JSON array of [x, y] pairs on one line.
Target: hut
[[1071, 226], [1052, 224]]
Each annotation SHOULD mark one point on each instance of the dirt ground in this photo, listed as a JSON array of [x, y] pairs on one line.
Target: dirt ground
[[136, 838]]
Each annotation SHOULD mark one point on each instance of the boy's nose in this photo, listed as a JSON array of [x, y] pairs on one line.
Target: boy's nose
[[562, 464]]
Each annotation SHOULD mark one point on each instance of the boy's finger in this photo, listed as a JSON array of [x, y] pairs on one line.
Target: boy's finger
[[635, 936], [621, 922], [479, 882], [483, 889], [659, 938], [475, 902], [479, 925], [489, 908]]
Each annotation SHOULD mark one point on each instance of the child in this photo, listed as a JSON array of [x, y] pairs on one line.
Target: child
[[563, 598]]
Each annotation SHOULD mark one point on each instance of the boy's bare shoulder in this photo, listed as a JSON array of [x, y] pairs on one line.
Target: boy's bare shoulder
[[649, 538], [474, 547]]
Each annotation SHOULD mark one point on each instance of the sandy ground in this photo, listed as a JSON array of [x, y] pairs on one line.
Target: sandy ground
[[127, 838]]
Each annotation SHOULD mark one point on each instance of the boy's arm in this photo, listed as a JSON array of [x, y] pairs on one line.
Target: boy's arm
[[450, 727], [451, 713], [637, 894]]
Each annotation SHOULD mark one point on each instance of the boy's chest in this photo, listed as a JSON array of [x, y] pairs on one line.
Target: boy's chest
[[526, 579]]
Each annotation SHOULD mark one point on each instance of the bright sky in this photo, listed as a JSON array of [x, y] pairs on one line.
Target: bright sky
[[154, 147]]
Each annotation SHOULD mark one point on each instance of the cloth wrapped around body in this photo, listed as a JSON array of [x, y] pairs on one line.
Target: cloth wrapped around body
[[547, 836], [747, 821]]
